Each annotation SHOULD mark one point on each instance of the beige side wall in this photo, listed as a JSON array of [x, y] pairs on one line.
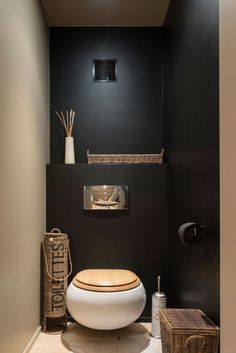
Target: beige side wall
[[228, 172], [24, 146]]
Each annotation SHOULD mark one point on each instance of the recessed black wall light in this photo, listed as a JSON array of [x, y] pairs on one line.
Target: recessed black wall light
[[105, 70]]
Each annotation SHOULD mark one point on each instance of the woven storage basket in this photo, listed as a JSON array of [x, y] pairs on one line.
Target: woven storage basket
[[187, 331], [56, 251], [125, 158]]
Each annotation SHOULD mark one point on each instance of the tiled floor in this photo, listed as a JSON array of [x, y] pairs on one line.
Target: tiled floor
[[78, 339]]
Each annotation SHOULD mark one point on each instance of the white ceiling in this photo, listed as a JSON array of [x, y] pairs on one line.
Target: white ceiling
[[105, 12]]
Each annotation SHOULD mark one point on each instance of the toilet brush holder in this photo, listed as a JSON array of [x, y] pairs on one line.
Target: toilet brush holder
[[158, 302]]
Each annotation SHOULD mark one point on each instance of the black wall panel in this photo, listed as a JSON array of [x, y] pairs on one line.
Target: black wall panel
[[191, 116], [115, 117], [135, 239]]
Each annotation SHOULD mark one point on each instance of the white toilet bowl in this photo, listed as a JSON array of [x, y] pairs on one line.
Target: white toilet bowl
[[105, 299]]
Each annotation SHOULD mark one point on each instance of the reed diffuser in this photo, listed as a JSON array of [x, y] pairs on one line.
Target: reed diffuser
[[68, 122]]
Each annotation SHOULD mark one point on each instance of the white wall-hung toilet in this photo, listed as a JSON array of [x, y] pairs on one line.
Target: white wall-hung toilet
[[105, 299]]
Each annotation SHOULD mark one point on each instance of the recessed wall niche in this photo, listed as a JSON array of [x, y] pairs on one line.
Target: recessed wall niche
[[105, 70]]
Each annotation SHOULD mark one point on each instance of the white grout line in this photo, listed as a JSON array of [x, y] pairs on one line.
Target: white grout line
[[32, 341]]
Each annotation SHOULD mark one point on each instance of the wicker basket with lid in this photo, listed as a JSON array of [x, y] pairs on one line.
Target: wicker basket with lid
[[188, 331]]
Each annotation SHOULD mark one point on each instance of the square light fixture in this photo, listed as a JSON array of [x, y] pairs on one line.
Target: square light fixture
[[104, 70]]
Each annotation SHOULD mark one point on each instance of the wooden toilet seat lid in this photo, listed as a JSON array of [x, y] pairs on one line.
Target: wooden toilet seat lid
[[106, 280]]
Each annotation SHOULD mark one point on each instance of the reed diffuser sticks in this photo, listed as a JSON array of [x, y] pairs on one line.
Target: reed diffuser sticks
[[67, 120]]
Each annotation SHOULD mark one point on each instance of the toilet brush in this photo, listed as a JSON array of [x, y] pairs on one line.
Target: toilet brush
[[158, 302]]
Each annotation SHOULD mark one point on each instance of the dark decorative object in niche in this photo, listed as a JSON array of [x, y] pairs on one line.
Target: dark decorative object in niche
[[105, 70]]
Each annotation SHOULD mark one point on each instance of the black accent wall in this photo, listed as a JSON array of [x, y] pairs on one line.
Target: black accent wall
[[115, 117], [191, 115]]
